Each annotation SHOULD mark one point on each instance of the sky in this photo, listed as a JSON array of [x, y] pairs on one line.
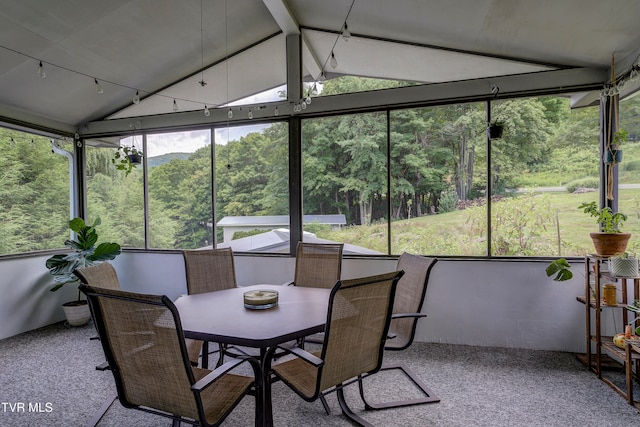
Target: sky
[[190, 141]]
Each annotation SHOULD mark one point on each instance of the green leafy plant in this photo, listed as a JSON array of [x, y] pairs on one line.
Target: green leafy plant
[[126, 158], [84, 253], [619, 137], [561, 269], [609, 221]]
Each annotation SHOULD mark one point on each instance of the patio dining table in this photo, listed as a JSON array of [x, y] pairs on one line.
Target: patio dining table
[[221, 317]]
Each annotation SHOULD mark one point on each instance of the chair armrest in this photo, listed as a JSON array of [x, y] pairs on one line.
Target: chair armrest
[[406, 315], [303, 354], [214, 375]]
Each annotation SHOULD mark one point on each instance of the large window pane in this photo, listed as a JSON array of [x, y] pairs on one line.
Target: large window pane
[[544, 166], [344, 169], [35, 187], [114, 196], [180, 208], [437, 169], [252, 187]]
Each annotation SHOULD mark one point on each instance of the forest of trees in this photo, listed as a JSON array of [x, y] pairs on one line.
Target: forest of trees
[[437, 164]]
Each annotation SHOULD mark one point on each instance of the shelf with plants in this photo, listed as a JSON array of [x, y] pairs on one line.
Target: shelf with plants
[[602, 353]]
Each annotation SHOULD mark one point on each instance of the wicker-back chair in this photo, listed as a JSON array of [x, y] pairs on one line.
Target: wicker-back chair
[[358, 320], [407, 308], [208, 270], [143, 342], [101, 275], [318, 265]]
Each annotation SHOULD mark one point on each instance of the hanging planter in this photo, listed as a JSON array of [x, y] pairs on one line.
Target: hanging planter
[[613, 156], [126, 158], [495, 130]]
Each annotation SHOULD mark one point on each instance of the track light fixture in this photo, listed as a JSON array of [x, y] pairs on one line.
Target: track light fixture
[[346, 34], [99, 88], [41, 72]]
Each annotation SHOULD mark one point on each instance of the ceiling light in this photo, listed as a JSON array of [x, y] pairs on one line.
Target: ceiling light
[[346, 35], [136, 98], [99, 88], [334, 61], [276, 112], [41, 72], [230, 113], [250, 115], [175, 106], [207, 113]]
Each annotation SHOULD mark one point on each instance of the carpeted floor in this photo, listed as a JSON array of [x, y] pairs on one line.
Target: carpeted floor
[[48, 378]]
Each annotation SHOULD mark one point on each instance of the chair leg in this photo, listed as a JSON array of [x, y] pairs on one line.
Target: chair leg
[[103, 410], [430, 396], [325, 405], [347, 412]]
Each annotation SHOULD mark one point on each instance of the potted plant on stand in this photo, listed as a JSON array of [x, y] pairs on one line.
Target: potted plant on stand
[[84, 253], [610, 240]]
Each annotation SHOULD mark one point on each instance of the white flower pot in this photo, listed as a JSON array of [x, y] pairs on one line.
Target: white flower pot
[[624, 267], [77, 312]]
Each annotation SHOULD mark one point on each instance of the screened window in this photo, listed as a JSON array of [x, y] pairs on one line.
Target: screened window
[[114, 196], [35, 187], [180, 183], [252, 187]]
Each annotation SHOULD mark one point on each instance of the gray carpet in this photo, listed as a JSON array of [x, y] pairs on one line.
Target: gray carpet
[[51, 371]]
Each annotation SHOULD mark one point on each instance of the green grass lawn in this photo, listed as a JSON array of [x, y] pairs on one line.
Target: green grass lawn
[[462, 232]]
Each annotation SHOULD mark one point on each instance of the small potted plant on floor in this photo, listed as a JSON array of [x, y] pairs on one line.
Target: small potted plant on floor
[[610, 240], [84, 253]]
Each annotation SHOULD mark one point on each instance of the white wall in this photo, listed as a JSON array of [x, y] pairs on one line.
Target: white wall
[[476, 302]]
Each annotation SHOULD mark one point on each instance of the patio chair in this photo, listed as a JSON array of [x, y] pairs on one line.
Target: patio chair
[[358, 320], [208, 270], [318, 265], [406, 313], [103, 275], [143, 342]]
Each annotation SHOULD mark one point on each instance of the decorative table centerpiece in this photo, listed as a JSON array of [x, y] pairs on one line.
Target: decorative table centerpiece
[[260, 299]]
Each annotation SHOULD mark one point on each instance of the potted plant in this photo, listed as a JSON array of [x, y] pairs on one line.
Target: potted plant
[[84, 253], [495, 130], [610, 240], [126, 158], [624, 265], [613, 153]]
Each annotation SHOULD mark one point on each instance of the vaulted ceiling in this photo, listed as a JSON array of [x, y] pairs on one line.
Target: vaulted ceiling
[[162, 49]]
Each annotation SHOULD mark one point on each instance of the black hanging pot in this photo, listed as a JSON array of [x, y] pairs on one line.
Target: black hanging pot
[[495, 131], [135, 159]]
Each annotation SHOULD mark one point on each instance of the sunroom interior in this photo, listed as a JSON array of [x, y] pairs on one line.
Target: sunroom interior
[[92, 75]]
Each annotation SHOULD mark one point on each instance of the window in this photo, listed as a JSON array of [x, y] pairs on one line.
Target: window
[[252, 187], [544, 166], [35, 186], [344, 169], [438, 162], [114, 196], [180, 182]]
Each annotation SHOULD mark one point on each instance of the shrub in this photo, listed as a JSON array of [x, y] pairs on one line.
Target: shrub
[[590, 182], [448, 201]]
